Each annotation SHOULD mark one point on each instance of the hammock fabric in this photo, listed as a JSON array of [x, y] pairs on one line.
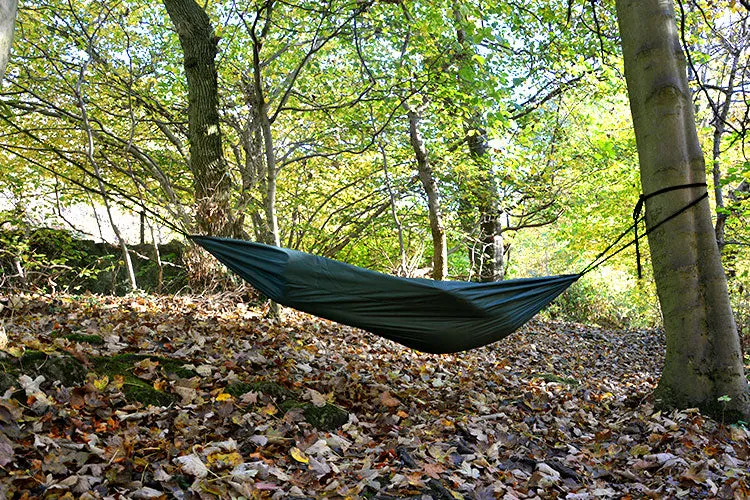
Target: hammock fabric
[[429, 316]]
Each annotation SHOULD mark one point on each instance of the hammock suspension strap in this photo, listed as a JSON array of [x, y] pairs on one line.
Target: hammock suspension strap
[[604, 256]]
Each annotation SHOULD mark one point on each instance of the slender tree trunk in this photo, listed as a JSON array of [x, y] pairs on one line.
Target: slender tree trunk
[[439, 245], [272, 221], [399, 227], [102, 190], [210, 176], [264, 123], [490, 256], [8, 10], [157, 259], [703, 359]]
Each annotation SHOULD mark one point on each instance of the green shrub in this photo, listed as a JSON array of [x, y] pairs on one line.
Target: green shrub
[[608, 298]]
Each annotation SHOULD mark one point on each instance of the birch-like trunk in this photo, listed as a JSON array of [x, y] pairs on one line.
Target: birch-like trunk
[[403, 267], [703, 359], [721, 112], [8, 10], [81, 101]]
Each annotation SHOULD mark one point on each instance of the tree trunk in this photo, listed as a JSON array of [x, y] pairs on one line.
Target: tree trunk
[[210, 176], [8, 9], [271, 176], [403, 267], [97, 171], [703, 359], [488, 258], [439, 245]]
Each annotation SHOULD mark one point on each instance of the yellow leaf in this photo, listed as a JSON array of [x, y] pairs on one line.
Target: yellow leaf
[[118, 381], [224, 460], [14, 351], [639, 450], [270, 409], [224, 397], [299, 455], [101, 383]]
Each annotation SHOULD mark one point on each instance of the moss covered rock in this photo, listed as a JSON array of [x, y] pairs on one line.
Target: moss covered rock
[[65, 369], [138, 391], [326, 418], [124, 364], [134, 388]]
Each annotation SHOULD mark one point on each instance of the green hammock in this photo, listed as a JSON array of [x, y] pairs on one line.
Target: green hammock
[[426, 315]]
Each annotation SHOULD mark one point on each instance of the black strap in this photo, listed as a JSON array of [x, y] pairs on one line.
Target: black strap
[[637, 219], [641, 203]]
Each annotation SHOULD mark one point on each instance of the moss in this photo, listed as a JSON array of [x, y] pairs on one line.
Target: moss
[[33, 356], [7, 380], [123, 364], [135, 389], [325, 418]]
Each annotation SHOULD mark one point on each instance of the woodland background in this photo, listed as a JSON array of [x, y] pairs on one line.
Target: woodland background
[[452, 140], [385, 134]]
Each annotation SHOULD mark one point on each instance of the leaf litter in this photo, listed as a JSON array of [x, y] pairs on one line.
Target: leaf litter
[[555, 411]]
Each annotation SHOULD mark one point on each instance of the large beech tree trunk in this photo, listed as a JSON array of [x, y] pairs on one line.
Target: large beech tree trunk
[[8, 9], [703, 358], [211, 179], [439, 245]]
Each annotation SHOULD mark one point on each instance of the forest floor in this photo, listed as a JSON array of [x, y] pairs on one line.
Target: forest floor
[[306, 408]]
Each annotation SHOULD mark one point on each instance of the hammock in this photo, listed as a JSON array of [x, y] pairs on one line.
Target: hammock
[[429, 316]]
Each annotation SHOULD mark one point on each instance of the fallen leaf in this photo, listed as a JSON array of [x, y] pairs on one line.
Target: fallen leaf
[[388, 400], [192, 464], [6, 451], [299, 455], [224, 397], [433, 470]]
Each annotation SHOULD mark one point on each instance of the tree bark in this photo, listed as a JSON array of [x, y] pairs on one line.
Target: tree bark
[[8, 10], [403, 267], [489, 257], [439, 245], [491, 254], [210, 176], [703, 358]]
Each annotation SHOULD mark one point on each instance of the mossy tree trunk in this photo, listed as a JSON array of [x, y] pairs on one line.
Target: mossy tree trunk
[[487, 251], [703, 359], [210, 176]]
